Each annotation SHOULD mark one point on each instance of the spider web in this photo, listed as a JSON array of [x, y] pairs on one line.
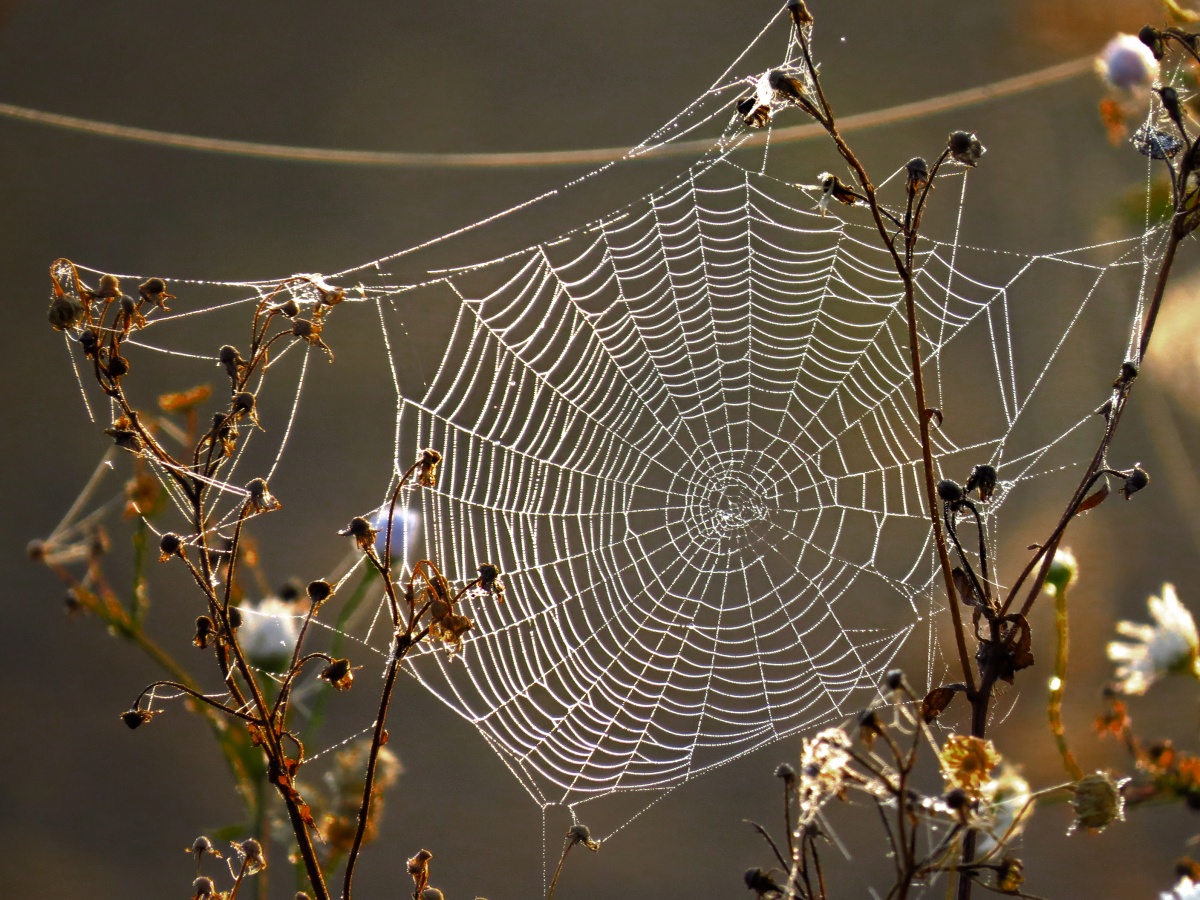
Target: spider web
[[685, 433]]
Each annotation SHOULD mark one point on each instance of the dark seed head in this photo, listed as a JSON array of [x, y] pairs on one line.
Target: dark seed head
[[1137, 480], [170, 544], [957, 799], [319, 591], [136, 718], [949, 491], [785, 771], [1152, 38], [894, 680]]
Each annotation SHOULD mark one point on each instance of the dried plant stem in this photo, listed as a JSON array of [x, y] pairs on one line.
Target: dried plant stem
[[904, 268], [558, 871]]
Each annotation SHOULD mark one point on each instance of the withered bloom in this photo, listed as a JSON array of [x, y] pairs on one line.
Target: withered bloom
[[243, 405], [125, 436], [489, 580], [362, 532], [918, 174], [339, 674], [983, 479], [155, 290], [205, 631], [261, 498], [251, 852], [428, 461], [310, 331], [418, 868], [136, 718], [232, 361], [201, 846], [965, 148]]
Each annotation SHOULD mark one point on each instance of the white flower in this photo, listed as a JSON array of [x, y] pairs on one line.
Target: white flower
[[1006, 807], [269, 632], [1170, 647], [1185, 890], [1127, 64]]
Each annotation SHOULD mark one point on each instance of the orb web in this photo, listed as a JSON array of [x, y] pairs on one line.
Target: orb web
[[685, 433]]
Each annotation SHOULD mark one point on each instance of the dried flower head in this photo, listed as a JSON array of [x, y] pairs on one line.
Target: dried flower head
[[338, 673], [1169, 647], [418, 868], [763, 885], [1135, 481], [260, 496], [155, 291], [251, 852], [203, 846], [1127, 64], [169, 545], [965, 148], [244, 405], [824, 763], [1097, 801], [967, 762], [918, 173], [205, 630], [581, 834], [232, 360], [65, 311], [136, 718], [427, 465], [362, 532], [204, 889], [124, 435]]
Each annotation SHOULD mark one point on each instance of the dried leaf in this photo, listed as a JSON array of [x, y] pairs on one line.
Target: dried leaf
[[966, 588], [937, 700], [1094, 499]]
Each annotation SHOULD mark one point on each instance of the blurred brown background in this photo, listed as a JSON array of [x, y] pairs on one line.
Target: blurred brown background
[[89, 810]]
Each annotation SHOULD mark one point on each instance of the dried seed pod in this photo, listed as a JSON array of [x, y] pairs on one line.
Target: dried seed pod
[[261, 498], [360, 529], [918, 173], [205, 631], [983, 479], [339, 674], [155, 291], [319, 591], [965, 148], [110, 288], [1135, 481], [785, 771], [136, 718], [169, 545], [232, 360], [1152, 38], [950, 491], [65, 312]]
